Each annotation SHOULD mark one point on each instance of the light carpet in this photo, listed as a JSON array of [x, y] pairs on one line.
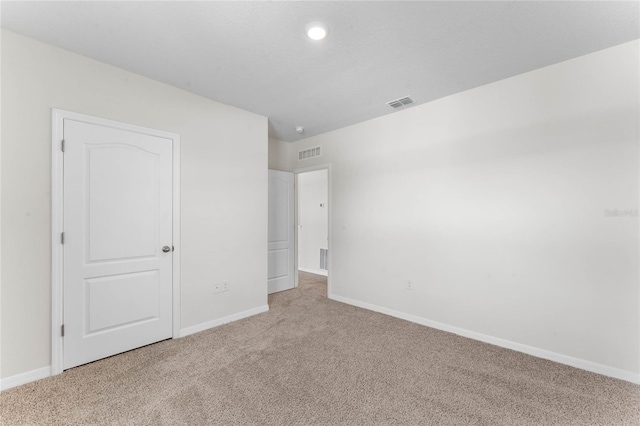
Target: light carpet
[[314, 361]]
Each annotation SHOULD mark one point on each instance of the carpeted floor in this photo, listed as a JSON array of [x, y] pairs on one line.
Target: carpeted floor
[[314, 361]]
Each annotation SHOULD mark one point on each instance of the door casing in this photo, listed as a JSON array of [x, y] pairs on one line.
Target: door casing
[[57, 224]]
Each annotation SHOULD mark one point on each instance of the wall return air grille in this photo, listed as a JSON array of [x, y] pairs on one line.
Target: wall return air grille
[[400, 102], [324, 259], [309, 153]]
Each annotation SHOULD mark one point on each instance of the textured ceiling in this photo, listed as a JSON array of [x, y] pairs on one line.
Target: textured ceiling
[[255, 55]]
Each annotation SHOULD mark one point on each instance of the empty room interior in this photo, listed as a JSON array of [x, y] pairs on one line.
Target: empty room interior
[[320, 213]]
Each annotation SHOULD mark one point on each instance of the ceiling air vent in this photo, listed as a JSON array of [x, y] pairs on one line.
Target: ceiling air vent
[[309, 153], [400, 102]]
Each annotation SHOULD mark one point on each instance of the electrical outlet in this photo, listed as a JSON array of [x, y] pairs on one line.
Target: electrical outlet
[[220, 286], [409, 285]]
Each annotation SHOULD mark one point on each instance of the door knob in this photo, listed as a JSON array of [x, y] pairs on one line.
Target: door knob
[[166, 249]]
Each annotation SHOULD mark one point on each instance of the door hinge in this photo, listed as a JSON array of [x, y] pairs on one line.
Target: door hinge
[[62, 238], [62, 330], [62, 145]]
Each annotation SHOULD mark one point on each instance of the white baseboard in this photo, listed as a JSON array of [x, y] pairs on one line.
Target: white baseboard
[[225, 320], [314, 271], [41, 373], [24, 378], [583, 364], [605, 370]]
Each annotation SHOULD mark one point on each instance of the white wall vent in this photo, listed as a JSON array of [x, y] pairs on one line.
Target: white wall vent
[[324, 253], [400, 102], [309, 153]]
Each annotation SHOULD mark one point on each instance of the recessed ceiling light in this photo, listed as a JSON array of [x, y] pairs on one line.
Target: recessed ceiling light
[[317, 30]]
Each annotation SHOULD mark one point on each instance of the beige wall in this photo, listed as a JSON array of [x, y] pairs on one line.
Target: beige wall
[[224, 157], [492, 201]]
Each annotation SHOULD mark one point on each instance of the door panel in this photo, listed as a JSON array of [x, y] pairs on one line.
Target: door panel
[[121, 300], [117, 218], [281, 266], [111, 168], [278, 263]]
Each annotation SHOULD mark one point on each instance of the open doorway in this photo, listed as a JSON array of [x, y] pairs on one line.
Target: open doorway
[[312, 254]]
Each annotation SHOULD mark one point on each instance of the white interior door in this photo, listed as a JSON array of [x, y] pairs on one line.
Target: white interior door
[[117, 241], [281, 232]]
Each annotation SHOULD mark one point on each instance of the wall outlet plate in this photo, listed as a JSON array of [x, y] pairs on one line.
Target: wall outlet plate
[[409, 285]]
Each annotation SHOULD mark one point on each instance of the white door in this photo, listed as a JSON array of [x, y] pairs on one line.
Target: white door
[[281, 233], [117, 241]]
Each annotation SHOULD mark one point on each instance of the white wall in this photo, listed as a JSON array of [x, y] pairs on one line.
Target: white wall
[[224, 188], [1, 33], [312, 219], [279, 155], [492, 201]]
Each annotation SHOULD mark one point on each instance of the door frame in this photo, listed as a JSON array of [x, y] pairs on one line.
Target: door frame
[[57, 222], [296, 187]]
